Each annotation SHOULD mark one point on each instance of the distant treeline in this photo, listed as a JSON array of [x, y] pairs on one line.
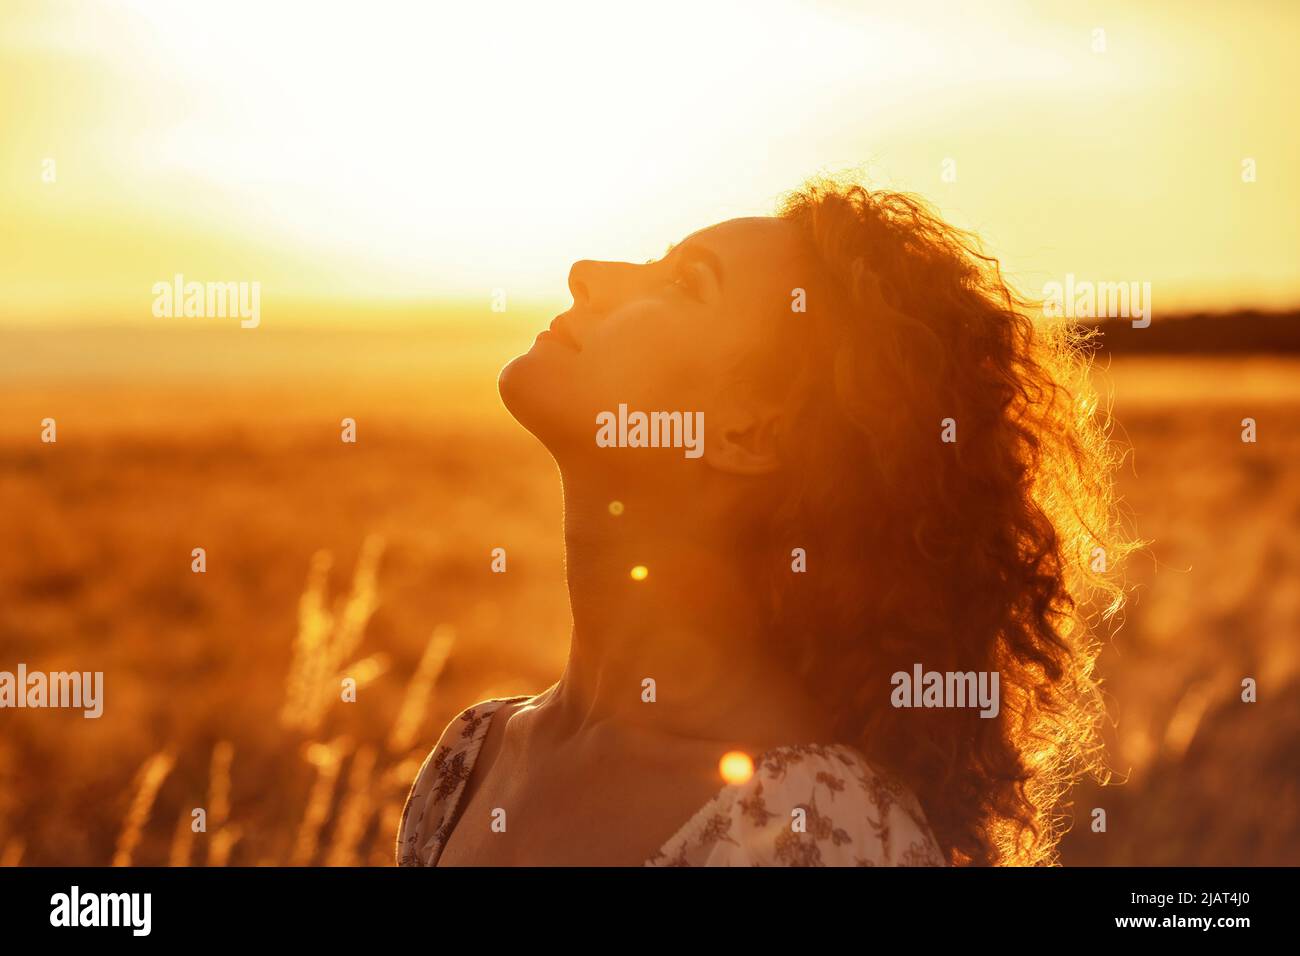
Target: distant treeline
[[1221, 333]]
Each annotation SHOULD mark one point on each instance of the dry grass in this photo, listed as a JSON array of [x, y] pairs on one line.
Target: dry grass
[[328, 561]]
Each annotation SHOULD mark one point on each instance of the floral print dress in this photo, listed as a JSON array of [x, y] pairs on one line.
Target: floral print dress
[[804, 805]]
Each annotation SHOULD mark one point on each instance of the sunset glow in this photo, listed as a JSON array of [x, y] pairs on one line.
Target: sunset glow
[[393, 152]]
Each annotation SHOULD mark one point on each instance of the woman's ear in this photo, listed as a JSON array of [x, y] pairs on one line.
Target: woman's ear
[[744, 446]]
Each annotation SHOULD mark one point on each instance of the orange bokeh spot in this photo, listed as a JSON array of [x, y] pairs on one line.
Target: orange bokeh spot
[[640, 572], [736, 766]]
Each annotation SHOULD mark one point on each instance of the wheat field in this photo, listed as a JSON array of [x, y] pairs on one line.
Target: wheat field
[[370, 561]]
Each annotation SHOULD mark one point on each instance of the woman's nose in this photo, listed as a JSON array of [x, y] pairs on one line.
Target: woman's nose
[[580, 284], [599, 286]]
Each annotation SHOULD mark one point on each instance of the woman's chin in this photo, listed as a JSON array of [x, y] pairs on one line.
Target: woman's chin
[[517, 382], [531, 393]]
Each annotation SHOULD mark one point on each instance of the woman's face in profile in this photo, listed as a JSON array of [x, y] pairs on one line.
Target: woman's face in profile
[[665, 336]]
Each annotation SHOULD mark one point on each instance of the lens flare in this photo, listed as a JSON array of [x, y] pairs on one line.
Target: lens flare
[[736, 766]]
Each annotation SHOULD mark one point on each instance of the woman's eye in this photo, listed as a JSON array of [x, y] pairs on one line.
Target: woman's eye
[[684, 279]]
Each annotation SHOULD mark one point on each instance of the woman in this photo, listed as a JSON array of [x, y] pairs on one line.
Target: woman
[[860, 463]]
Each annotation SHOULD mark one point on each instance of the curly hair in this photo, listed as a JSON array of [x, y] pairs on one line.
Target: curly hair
[[996, 552]]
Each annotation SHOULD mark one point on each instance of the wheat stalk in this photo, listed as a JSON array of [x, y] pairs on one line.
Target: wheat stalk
[[149, 779], [419, 690], [314, 626], [221, 844], [354, 815], [182, 840], [326, 640], [326, 758]]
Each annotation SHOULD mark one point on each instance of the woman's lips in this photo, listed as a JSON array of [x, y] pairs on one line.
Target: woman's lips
[[560, 332]]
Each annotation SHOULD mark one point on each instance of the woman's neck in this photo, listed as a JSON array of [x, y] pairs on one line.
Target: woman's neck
[[694, 625]]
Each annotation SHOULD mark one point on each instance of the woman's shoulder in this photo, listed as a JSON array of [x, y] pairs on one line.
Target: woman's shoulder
[[434, 797], [808, 805]]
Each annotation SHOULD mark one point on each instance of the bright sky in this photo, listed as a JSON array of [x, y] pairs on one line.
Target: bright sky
[[434, 151]]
